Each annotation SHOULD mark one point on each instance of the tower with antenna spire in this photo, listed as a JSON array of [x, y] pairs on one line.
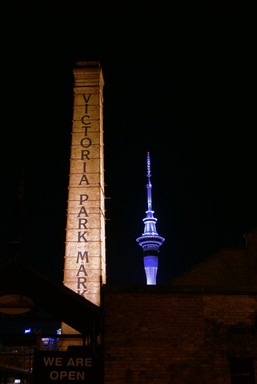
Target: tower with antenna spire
[[150, 241]]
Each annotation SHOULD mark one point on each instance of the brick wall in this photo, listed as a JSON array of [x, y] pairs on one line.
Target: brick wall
[[157, 335]]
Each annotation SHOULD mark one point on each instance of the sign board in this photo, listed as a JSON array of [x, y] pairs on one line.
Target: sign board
[[66, 367]]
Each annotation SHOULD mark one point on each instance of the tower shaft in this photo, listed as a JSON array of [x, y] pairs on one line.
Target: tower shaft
[[150, 241], [84, 264]]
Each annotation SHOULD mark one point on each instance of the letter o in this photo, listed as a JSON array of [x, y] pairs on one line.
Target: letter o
[[54, 375], [83, 142]]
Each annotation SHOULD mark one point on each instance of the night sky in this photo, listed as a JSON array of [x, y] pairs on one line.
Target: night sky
[[179, 83]]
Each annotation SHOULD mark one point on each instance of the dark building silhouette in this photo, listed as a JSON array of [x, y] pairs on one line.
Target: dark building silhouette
[[200, 328]]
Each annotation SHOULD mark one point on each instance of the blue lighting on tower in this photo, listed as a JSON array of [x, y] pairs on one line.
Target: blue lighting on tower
[[150, 241]]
